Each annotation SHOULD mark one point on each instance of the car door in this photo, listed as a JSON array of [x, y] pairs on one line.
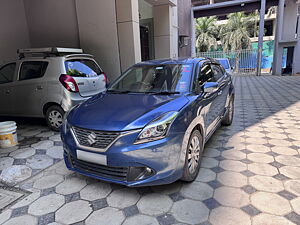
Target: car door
[[30, 88], [7, 76], [222, 78], [206, 102]]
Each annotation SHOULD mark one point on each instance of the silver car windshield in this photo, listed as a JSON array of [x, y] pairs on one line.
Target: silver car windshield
[[171, 78]]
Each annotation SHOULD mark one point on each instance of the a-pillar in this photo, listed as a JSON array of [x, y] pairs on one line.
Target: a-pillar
[[165, 30], [128, 32]]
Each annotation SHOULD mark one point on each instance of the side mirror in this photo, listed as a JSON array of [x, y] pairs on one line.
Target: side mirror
[[210, 87]]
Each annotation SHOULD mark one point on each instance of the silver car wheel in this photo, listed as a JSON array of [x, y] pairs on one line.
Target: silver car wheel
[[55, 118], [194, 154]]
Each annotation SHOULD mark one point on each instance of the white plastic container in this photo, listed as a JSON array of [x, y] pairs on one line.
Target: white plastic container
[[8, 134]]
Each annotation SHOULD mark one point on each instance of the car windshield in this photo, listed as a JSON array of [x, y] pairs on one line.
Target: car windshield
[[171, 78], [224, 63]]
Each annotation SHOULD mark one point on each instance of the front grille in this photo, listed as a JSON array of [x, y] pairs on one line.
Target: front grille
[[116, 173], [100, 139]]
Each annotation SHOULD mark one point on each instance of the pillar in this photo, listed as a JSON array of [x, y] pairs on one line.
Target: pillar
[[261, 35], [165, 31], [128, 32], [277, 57]]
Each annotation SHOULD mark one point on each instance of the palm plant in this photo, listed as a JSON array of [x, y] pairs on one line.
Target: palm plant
[[235, 34], [206, 33]]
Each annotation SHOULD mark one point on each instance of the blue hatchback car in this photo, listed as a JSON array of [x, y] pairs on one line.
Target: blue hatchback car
[[150, 126]]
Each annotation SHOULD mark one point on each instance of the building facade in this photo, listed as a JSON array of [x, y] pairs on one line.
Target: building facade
[[282, 28], [118, 33]]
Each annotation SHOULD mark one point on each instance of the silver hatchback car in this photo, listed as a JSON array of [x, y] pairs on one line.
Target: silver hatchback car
[[47, 82]]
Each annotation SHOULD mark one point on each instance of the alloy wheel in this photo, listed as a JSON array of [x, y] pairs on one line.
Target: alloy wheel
[[193, 154], [55, 118]]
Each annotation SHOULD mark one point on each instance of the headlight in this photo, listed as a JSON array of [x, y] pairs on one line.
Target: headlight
[[157, 129]]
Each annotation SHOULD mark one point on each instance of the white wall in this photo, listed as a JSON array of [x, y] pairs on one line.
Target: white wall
[[98, 33], [13, 32], [52, 23]]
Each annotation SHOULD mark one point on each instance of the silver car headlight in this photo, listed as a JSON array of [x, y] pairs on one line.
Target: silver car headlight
[[157, 129]]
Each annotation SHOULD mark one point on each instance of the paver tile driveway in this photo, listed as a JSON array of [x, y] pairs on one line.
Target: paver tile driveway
[[250, 174]]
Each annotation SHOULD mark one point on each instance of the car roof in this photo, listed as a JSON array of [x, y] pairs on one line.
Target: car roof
[[174, 61]]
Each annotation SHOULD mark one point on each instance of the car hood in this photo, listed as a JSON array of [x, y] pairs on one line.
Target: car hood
[[121, 112]]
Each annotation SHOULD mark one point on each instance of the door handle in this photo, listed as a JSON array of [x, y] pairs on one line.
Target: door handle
[[39, 87], [220, 92], [7, 92]]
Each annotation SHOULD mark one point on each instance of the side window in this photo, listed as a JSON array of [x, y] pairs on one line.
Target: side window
[[32, 70], [7, 73], [206, 74], [218, 72]]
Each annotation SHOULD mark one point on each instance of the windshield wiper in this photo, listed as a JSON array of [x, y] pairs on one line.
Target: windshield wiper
[[118, 92], [165, 93]]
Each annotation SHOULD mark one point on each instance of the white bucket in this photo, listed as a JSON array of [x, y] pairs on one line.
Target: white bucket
[[8, 134]]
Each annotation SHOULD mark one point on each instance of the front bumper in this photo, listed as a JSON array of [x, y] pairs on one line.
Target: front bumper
[[161, 156]]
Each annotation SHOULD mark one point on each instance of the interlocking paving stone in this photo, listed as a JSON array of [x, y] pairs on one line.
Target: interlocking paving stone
[[47, 191], [46, 204], [270, 203], [140, 219], [267, 219], [176, 196], [233, 197], [166, 219], [229, 216], [293, 217], [26, 219], [197, 191], [251, 210], [48, 181], [19, 211], [131, 211], [154, 204], [107, 215], [211, 203], [190, 211], [287, 195], [99, 204], [72, 197], [15, 174], [122, 198], [265, 114], [73, 212], [46, 219]]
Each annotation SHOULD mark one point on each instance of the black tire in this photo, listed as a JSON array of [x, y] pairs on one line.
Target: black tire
[[189, 174], [52, 111], [228, 118]]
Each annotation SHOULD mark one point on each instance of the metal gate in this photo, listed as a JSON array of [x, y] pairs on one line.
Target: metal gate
[[242, 62]]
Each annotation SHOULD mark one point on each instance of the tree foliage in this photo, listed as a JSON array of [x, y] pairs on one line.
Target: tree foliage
[[206, 33], [235, 34]]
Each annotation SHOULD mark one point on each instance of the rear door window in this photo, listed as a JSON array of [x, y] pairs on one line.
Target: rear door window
[[82, 68], [32, 70], [7, 73]]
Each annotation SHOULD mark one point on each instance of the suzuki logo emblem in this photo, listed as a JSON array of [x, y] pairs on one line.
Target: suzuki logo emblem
[[92, 138]]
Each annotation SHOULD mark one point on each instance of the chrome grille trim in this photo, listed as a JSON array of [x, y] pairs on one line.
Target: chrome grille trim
[[102, 138], [106, 142]]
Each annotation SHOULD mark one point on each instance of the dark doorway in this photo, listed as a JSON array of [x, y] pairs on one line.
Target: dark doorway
[[288, 56], [145, 43]]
